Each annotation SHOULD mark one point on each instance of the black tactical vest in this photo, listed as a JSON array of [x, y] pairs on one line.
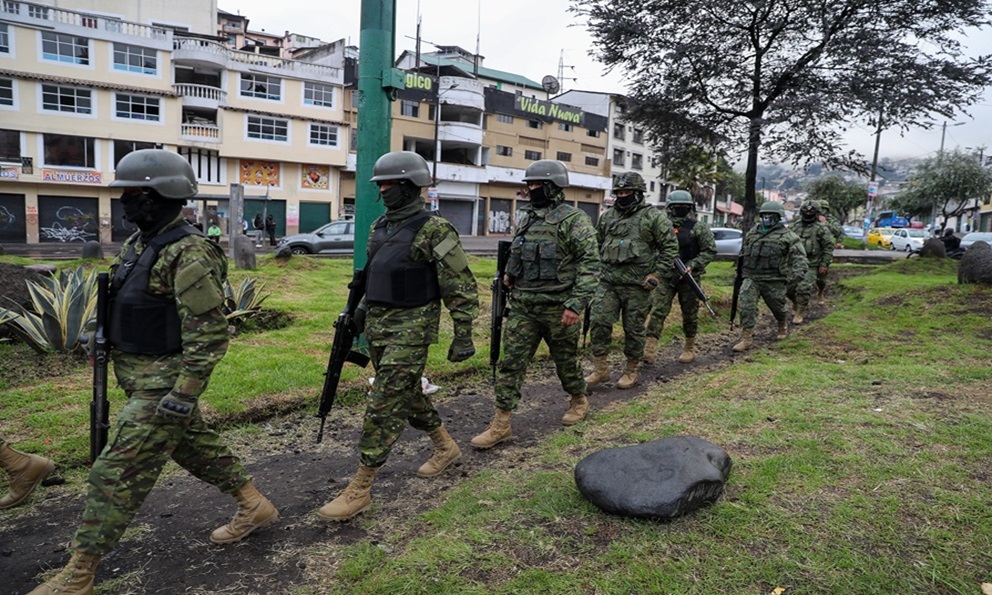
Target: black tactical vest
[[393, 279], [141, 321], [688, 247]]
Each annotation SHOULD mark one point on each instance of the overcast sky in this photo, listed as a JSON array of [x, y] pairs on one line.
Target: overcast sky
[[528, 37]]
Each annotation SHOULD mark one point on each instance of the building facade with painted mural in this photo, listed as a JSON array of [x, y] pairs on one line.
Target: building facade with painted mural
[[85, 83]]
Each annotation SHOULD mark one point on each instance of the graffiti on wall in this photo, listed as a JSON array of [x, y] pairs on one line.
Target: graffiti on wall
[[67, 219]]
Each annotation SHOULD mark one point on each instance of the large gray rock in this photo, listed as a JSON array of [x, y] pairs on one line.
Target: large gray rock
[[244, 252], [662, 479], [92, 250], [933, 247], [976, 264]]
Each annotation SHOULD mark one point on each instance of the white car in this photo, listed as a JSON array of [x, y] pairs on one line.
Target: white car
[[728, 240], [976, 236], [908, 239]]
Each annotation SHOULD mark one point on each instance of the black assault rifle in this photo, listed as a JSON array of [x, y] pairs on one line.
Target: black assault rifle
[[500, 294], [696, 289], [738, 280], [341, 349], [100, 353]]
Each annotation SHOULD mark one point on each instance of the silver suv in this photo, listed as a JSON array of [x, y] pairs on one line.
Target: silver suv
[[337, 237]]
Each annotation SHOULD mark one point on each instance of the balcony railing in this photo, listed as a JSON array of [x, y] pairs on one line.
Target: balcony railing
[[80, 19], [225, 55], [201, 92], [208, 132]]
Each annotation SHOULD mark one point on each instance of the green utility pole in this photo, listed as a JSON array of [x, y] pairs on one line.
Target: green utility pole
[[377, 84]]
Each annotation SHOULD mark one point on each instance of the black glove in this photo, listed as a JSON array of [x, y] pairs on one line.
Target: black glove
[[462, 347], [176, 406], [358, 320]]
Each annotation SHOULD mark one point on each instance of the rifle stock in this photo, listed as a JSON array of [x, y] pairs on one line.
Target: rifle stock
[[99, 406], [696, 289], [341, 349], [500, 295]]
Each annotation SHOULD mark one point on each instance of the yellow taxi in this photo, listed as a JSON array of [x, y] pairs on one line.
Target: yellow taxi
[[880, 236]]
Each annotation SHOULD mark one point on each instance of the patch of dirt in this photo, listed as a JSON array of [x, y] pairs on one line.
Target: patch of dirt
[[171, 553]]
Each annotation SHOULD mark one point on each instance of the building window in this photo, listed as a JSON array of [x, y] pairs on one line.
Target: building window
[[132, 58], [4, 39], [123, 147], [565, 126], [261, 87], [504, 118], [638, 136], [207, 164], [593, 161], [564, 156], [73, 151], [66, 99], [535, 124], [7, 92], [11, 7], [324, 135], [65, 48], [504, 151], [637, 161], [38, 12], [354, 99], [532, 155], [619, 132], [10, 146], [318, 94], [410, 109], [618, 157], [652, 185], [268, 128], [592, 133], [137, 107]]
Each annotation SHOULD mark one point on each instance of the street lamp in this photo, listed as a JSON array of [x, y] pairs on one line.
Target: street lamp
[[437, 125]]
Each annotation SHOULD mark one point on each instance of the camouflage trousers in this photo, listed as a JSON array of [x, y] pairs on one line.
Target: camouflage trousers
[[821, 279], [631, 303], [397, 398], [661, 305], [801, 292], [774, 294], [526, 325], [139, 446]]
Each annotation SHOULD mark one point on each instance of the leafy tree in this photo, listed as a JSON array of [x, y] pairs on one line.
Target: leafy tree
[[842, 196], [947, 182], [729, 182], [694, 169], [784, 78]]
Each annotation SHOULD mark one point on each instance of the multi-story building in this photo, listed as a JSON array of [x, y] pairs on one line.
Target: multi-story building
[[84, 83]]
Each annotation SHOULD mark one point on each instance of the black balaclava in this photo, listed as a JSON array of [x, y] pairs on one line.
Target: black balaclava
[[808, 215], [540, 197], [626, 203], [399, 195], [150, 211]]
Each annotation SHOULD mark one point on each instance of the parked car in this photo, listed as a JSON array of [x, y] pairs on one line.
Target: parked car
[[880, 236], [336, 237], [908, 240], [854, 232], [728, 240], [976, 236]]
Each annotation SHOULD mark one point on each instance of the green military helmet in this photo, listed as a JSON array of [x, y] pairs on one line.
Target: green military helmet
[[810, 206], [823, 206], [772, 207], [165, 172], [630, 180], [547, 170], [680, 197], [402, 165]]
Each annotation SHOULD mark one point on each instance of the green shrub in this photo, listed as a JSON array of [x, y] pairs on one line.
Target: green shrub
[[62, 304]]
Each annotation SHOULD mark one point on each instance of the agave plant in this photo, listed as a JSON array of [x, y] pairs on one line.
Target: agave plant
[[245, 301], [61, 305]]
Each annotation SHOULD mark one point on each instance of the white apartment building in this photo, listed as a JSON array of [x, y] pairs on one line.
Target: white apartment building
[[86, 82]]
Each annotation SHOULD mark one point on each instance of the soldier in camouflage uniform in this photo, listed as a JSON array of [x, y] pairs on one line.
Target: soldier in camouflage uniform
[[838, 236], [25, 472], [415, 262], [819, 246], [167, 332], [697, 248], [774, 260], [636, 247], [552, 275]]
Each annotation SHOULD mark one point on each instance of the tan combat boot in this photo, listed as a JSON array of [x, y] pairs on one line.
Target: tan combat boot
[[783, 330], [354, 499], [629, 377], [600, 370], [26, 471], [745, 342], [650, 349], [578, 407], [797, 314], [820, 299], [75, 579], [689, 351], [498, 431], [446, 452], [254, 512]]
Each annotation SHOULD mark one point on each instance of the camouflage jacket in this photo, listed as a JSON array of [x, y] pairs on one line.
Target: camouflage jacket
[[437, 243], [835, 229], [702, 237], [553, 257], [205, 336], [634, 244], [774, 255], [818, 243]]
